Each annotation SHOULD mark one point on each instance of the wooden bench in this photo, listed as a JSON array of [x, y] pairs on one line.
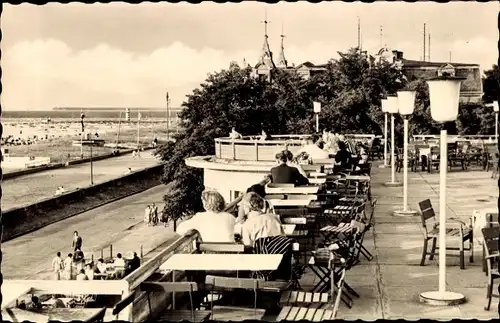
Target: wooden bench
[[299, 298], [289, 313]]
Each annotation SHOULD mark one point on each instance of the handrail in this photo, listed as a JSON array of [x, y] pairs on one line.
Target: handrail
[[142, 273]]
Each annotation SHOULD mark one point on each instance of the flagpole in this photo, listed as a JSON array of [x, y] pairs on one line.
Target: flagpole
[[138, 127], [81, 135], [168, 118]]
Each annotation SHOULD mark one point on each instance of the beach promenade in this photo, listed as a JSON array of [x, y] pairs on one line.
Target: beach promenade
[[28, 189], [118, 223]]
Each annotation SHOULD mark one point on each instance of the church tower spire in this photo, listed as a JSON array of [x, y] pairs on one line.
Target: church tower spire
[[282, 60], [267, 56]]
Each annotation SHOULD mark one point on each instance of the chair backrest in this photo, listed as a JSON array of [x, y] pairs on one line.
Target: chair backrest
[[169, 287], [435, 150], [225, 283], [311, 197], [221, 247], [427, 212], [97, 317], [221, 282], [123, 303], [490, 236], [272, 185], [298, 220], [275, 196], [291, 212]]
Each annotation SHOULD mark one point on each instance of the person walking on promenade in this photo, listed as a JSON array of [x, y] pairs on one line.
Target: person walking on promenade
[[68, 266], [57, 266], [77, 241], [147, 215], [154, 214]]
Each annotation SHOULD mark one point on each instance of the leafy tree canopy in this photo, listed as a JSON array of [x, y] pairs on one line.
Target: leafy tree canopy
[[349, 90]]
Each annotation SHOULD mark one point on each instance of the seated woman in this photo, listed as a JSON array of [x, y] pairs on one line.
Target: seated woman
[[259, 223], [244, 207], [343, 157], [214, 225]]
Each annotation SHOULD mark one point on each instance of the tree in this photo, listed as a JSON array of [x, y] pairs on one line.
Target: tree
[[491, 84]]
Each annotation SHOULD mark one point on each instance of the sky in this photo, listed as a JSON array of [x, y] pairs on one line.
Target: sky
[[125, 55]]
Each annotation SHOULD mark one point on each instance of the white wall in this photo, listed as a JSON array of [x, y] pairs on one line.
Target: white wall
[[226, 181]]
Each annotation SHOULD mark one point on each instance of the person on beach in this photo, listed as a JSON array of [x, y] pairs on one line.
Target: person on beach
[[147, 215], [154, 214], [77, 241], [68, 266], [57, 266]]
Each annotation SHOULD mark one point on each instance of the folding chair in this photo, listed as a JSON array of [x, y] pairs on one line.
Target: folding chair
[[174, 315]]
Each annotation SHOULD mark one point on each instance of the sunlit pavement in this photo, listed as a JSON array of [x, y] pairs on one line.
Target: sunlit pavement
[[390, 284]]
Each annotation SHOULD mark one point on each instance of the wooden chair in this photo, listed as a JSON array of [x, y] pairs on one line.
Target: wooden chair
[[174, 315], [219, 283], [98, 317], [433, 158], [490, 236], [455, 229]]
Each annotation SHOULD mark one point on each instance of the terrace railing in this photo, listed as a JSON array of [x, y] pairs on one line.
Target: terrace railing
[[457, 137], [251, 148]]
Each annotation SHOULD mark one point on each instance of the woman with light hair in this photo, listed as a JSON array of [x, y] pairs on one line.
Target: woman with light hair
[[214, 225]]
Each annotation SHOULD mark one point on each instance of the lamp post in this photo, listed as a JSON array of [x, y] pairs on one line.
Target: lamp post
[[444, 92], [495, 108], [384, 110], [317, 110], [392, 108], [406, 104]]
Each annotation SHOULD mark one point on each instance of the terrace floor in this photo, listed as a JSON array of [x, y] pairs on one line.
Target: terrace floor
[[390, 284]]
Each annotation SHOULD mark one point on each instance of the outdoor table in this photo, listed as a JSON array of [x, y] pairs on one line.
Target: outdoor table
[[317, 181], [289, 203], [222, 262], [293, 190]]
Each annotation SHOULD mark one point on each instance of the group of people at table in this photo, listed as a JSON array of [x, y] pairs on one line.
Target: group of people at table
[[74, 265], [256, 220]]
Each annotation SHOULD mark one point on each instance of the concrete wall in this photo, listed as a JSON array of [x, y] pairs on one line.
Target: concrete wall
[[19, 221]]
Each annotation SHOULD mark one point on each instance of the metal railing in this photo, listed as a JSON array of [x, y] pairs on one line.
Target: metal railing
[[456, 137]]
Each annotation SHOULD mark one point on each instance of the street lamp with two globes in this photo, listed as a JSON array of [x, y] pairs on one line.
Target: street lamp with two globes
[[392, 108], [406, 105]]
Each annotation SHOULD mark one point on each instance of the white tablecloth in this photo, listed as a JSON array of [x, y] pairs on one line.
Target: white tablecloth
[[251, 262]]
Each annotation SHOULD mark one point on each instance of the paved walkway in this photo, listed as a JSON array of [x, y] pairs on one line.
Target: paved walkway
[[119, 223], [30, 188], [390, 284]]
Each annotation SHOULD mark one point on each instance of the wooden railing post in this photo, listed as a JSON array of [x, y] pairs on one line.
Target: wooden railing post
[[220, 149], [256, 151], [111, 251], [234, 149], [216, 146]]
